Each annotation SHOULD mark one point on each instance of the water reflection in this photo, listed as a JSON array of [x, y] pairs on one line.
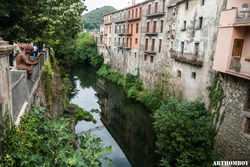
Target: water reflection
[[127, 122]]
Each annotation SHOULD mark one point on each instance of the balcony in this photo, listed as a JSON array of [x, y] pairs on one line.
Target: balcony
[[155, 14], [188, 58], [120, 44], [149, 32], [134, 18], [235, 17], [120, 19], [240, 66], [122, 32], [107, 22]]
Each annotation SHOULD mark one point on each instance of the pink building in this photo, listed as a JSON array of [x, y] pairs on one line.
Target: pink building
[[134, 26], [233, 44]]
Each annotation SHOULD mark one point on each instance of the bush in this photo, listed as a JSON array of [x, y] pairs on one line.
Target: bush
[[96, 61], [185, 135], [150, 100], [39, 141]]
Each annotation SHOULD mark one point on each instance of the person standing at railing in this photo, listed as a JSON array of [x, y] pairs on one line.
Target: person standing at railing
[[23, 62]]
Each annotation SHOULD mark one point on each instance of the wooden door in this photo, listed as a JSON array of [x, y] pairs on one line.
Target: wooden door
[[237, 49]]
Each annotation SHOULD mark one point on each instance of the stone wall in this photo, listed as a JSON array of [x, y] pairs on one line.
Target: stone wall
[[5, 93], [232, 142], [23, 90]]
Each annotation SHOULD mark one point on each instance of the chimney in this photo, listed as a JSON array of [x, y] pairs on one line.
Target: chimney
[[133, 2]]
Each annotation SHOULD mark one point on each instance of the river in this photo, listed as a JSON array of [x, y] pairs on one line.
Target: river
[[121, 123]]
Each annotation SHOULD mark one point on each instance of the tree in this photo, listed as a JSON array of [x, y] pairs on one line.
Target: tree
[[185, 135], [55, 23]]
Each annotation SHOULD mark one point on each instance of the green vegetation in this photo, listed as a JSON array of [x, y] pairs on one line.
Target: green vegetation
[[133, 86], [184, 130], [86, 51], [80, 114], [94, 18], [185, 136], [55, 23], [216, 100], [39, 141]]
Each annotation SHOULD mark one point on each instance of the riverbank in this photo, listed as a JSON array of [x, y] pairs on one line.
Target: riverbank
[[179, 124]]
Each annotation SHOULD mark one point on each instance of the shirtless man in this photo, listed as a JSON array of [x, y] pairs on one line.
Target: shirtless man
[[22, 61]]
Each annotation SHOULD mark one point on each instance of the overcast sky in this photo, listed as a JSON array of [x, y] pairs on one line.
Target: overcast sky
[[118, 4]]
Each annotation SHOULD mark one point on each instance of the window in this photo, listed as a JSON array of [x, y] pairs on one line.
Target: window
[[149, 9], [247, 103], [118, 50], [136, 40], [146, 44], [130, 42], [151, 59], [161, 26], [128, 14], [194, 75], [110, 30], [160, 41], [153, 45], [145, 57], [131, 28], [187, 3], [156, 7], [128, 29], [137, 27], [127, 42], [184, 26], [163, 6], [179, 74], [132, 13], [202, 2], [182, 47], [196, 48], [200, 22], [154, 28], [247, 128], [115, 29], [135, 54], [148, 25], [122, 51], [140, 11], [136, 12]]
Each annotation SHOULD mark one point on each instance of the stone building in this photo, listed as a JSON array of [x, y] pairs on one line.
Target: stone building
[[232, 60], [191, 31], [152, 58]]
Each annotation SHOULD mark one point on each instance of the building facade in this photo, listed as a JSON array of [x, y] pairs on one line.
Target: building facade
[[107, 37], [232, 60], [192, 39]]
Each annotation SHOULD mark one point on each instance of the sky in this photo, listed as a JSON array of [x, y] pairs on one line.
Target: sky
[[118, 4]]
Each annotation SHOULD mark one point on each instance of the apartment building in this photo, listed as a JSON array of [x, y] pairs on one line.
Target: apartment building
[[118, 58], [191, 39], [152, 57], [191, 31], [107, 36], [232, 60]]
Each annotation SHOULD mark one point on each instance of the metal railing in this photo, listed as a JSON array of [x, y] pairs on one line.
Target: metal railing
[[121, 44], [243, 16]]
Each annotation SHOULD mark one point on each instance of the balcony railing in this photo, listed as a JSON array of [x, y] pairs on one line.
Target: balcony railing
[[134, 18], [120, 44], [155, 14], [149, 32], [120, 19], [189, 58], [121, 32], [243, 16], [240, 66]]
